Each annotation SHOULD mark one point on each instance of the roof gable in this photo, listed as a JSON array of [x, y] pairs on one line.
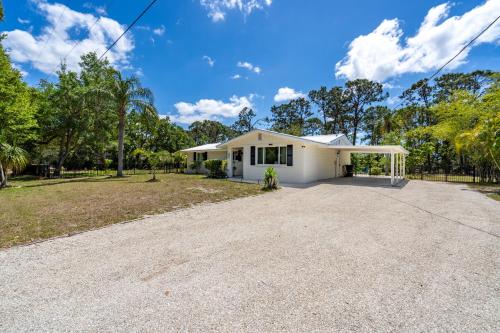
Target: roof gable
[[337, 139]]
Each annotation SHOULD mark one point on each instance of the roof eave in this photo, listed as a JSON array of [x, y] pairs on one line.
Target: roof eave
[[289, 136]]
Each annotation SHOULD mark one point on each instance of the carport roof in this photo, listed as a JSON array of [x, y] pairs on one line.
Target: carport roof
[[383, 149]]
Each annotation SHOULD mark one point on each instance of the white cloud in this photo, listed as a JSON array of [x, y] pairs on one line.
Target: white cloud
[[217, 9], [210, 61], [101, 10], [159, 31], [393, 100], [23, 21], [287, 94], [236, 77], [249, 66], [46, 50], [210, 109], [391, 85], [385, 53], [139, 72]]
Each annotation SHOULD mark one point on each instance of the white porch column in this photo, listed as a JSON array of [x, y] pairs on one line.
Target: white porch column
[[392, 168], [229, 162]]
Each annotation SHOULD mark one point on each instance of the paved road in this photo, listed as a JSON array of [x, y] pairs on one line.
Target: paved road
[[338, 256]]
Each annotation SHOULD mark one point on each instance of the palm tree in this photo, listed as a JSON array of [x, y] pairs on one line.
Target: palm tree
[[11, 157], [165, 159], [128, 94], [179, 159]]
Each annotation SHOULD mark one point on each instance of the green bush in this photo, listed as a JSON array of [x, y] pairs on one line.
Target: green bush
[[216, 168], [270, 179], [107, 163], [375, 171], [196, 165]]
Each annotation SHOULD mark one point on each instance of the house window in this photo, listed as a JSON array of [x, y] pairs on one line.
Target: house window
[[283, 155], [271, 155], [201, 156]]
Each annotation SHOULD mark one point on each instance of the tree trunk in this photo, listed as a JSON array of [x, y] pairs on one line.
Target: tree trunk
[[354, 134], [121, 134], [63, 152], [325, 129], [3, 177], [60, 161]]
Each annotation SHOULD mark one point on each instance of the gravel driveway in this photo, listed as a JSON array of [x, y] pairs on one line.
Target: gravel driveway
[[337, 256]]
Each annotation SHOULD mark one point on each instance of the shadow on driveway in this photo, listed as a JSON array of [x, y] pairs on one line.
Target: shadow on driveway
[[362, 181]]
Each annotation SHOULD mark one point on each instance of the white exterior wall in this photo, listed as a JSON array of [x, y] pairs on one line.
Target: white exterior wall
[[310, 161], [286, 174], [211, 155], [345, 158], [319, 163]]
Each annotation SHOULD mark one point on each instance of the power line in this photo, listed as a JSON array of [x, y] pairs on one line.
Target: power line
[[455, 56], [80, 41], [464, 48], [116, 41], [129, 27], [71, 50]]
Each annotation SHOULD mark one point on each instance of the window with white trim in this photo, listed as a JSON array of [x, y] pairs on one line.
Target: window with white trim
[[272, 155]]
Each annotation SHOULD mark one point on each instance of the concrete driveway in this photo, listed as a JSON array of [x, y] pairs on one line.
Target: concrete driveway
[[342, 256]]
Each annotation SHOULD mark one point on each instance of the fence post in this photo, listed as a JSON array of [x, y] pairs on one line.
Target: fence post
[[474, 174]]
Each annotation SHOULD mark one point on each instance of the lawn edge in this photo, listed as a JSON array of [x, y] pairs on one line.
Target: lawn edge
[[38, 241]]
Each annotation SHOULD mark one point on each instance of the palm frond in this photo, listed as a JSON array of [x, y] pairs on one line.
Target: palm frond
[[143, 94], [13, 157], [144, 107]]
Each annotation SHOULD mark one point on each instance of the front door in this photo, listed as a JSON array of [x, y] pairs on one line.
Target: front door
[[238, 162]]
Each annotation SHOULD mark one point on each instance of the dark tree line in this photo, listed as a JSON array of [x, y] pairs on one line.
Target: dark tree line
[[97, 117]]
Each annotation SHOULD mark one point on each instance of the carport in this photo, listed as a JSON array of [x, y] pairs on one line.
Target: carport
[[398, 157]]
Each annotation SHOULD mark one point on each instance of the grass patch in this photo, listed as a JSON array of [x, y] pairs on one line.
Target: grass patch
[[494, 196], [490, 190], [38, 209]]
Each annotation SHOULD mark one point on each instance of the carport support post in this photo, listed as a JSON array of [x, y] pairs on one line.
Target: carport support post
[[397, 166], [404, 166], [392, 168]]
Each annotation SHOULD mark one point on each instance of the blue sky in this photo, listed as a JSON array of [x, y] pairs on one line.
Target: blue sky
[[206, 59]]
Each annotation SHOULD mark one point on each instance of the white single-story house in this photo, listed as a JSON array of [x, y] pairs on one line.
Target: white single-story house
[[296, 159]]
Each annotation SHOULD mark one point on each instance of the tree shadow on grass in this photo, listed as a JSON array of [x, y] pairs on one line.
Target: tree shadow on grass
[[50, 182], [94, 179]]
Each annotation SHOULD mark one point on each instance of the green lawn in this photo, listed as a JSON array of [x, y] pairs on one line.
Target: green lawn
[[38, 209], [490, 190]]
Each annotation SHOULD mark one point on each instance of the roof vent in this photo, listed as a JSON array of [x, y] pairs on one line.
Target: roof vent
[[259, 136]]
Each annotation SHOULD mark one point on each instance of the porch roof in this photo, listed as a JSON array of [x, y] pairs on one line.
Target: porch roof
[[202, 148]]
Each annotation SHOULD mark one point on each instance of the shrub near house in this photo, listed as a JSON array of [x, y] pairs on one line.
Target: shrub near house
[[270, 179], [216, 168]]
